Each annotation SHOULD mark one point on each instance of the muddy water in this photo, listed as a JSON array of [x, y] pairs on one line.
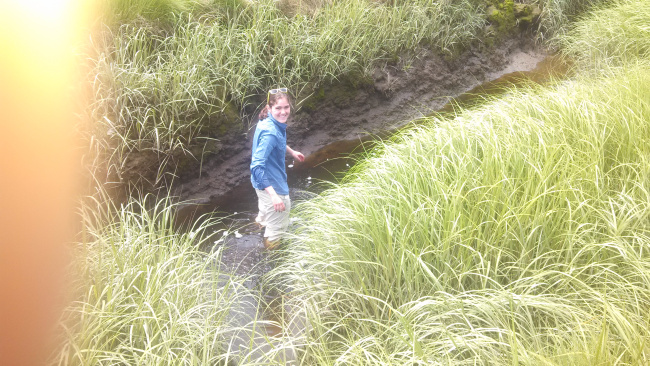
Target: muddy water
[[243, 251], [551, 68]]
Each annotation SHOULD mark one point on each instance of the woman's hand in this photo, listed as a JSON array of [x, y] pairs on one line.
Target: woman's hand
[[296, 154], [278, 205]]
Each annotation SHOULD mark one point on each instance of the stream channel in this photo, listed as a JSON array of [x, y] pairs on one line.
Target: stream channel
[[265, 321]]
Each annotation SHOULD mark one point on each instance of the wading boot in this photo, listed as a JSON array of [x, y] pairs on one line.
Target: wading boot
[[257, 227], [271, 244]]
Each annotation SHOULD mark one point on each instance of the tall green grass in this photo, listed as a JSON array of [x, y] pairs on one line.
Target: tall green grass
[[116, 12], [558, 15], [171, 76], [516, 233], [165, 90], [123, 11], [611, 36], [146, 294]]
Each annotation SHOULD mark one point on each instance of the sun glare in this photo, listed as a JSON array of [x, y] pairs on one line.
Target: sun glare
[[45, 9], [38, 165]]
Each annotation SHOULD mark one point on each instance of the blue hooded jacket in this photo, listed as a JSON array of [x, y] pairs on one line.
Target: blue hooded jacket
[[269, 150]]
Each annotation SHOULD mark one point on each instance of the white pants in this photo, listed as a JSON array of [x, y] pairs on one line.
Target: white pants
[[276, 223]]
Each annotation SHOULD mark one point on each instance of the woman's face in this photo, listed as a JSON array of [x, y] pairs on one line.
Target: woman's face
[[281, 110]]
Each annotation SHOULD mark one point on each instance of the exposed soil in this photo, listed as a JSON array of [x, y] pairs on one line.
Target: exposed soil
[[397, 94]]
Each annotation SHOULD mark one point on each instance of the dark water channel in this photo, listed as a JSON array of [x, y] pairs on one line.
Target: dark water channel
[[243, 253]]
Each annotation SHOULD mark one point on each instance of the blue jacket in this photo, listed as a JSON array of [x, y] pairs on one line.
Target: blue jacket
[[269, 150]]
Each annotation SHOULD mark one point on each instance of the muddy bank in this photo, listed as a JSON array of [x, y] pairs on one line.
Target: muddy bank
[[396, 94]]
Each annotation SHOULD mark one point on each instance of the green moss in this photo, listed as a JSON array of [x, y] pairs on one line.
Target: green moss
[[506, 17], [501, 14], [527, 14], [311, 103]]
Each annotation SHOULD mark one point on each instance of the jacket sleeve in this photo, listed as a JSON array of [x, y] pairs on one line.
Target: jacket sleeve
[[258, 165]]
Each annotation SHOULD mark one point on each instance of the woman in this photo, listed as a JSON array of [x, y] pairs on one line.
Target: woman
[[268, 172]]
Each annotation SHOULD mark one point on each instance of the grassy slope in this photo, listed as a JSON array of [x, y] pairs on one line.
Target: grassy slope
[[517, 232], [611, 36], [478, 264]]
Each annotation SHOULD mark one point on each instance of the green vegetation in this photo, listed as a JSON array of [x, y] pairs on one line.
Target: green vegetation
[[558, 15], [116, 12], [148, 296], [502, 13], [611, 36], [514, 233], [171, 76]]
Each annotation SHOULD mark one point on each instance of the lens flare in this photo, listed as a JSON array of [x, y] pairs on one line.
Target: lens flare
[[38, 161]]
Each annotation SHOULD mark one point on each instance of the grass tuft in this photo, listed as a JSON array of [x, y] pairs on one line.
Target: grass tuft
[[612, 36]]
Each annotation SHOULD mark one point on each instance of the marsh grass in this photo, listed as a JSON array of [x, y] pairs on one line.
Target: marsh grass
[[147, 295], [611, 36], [170, 77], [116, 12], [558, 15], [515, 233]]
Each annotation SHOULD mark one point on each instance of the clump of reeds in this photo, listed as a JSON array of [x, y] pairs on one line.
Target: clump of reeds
[[147, 294], [516, 233]]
